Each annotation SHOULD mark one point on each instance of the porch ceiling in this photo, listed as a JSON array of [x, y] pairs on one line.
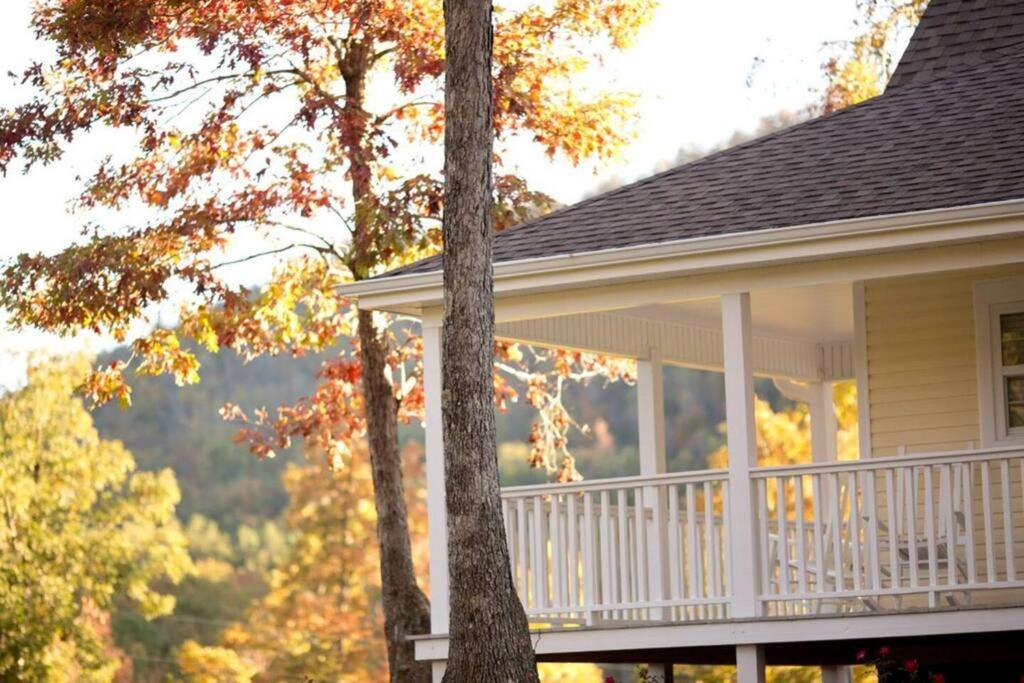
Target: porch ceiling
[[799, 333], [817, 314]]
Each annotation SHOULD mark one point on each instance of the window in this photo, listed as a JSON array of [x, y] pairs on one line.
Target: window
[[999, 331], [1011, 341]]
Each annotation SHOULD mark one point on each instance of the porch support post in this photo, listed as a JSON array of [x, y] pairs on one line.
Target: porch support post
[[437, 516], [821, 406], [651, 428], [742, 444], [650, 396], [749, 664], [836, 673]]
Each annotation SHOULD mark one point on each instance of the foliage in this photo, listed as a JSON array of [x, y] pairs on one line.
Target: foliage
[[861, 68], [321, 616], [80, 528], [180, 429], [568, 673], [231, 572], [255, 122], [784, 436]]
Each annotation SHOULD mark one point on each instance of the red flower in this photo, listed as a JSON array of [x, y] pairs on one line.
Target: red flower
[[938, 678], [883, 651], [609, 679], [910, 665], [863, 654]]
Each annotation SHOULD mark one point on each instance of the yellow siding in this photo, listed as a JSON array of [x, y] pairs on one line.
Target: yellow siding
[[922, 379]]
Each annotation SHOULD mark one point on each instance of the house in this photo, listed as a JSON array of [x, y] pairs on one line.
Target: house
[[882, 244]]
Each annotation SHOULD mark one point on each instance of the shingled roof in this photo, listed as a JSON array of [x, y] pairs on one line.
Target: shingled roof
[[960, 34], [949, 132]]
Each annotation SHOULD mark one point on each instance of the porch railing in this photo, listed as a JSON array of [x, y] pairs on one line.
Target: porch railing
[[625, 549], [882, 534], [892, 533]]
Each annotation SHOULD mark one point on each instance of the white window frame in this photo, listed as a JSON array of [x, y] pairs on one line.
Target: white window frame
[[992, 299]]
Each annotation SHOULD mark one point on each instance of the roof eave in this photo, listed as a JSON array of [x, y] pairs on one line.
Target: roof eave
[[411, 293]]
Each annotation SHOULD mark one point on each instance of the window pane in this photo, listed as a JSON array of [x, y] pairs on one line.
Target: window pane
[[1011, 326], [1015, 399]]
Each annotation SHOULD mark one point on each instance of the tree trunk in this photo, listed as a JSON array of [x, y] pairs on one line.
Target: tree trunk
[[489, 636], [406, 610]]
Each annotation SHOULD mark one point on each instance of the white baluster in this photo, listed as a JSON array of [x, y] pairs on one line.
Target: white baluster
[[640, 575], [572, 551], [607, 585], [929, 532], [910, 498], [590, 599], [801, 556], [780, 517], [891, 536], [986, 503], [623, 568], [675, 550], [1004, 476], [714, 580], [855, 541], [540, 552], [967, 487], [819, 537], [693, 545]]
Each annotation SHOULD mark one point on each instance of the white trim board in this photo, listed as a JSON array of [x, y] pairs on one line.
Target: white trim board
[[758, 631], [410, 293]]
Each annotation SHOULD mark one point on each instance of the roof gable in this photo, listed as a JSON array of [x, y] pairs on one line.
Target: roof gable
[[958, 34]]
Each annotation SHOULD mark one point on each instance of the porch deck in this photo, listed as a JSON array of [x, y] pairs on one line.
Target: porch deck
[[879, 535]]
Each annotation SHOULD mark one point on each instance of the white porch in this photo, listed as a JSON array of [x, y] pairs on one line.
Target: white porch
[[638, 560]]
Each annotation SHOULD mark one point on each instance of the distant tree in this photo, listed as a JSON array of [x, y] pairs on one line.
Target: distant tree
[[320, 618], [80, 528], [861, 67], [285, 128]]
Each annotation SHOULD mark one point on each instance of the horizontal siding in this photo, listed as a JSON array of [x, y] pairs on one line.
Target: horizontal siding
[[922, 379]]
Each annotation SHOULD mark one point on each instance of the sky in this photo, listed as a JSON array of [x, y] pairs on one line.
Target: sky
[[701, 71]]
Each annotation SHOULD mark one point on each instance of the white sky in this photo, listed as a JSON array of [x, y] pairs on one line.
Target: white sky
[[693, 68]]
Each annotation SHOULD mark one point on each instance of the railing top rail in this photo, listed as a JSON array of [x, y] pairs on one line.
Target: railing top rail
[[909, 460], [615, 483]]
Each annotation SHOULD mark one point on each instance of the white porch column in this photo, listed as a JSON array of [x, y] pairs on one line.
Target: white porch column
[[739, 411], [836, 673], [821, 406], [650, 397], [749, 664], [437, 516]]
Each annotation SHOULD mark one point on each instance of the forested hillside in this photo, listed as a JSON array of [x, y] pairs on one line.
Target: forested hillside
[[180, 428]]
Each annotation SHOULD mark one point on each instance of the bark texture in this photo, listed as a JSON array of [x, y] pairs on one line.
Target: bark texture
[[406, 610], [489, 636]]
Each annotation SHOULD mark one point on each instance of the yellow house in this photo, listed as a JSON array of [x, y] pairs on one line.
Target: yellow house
[[882, 244]]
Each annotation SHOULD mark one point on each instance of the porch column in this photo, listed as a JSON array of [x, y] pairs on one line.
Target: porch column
[[749, 664], [821, 406], [650, 396], [437, 516], [742, 444], [836, 673]]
